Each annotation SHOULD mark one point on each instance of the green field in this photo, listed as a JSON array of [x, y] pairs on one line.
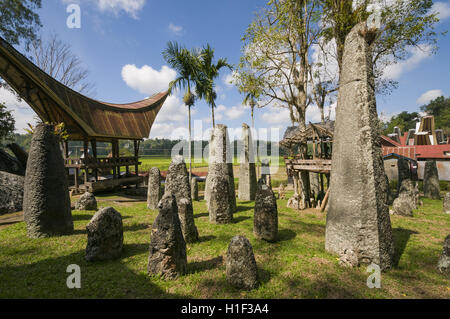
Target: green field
[[295, 266]]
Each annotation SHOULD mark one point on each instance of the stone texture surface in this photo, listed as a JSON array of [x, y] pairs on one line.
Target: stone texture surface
[[87, 201], [241, 270], [282, 191], [407, 199], [358, 217], [349, 259], [11, 192], [314, 185], [105, 235], [446, 203], [444, 260], [431, 188], [46, 202], [167, 252], [194, 189], [404, 172], [178, 184], [389, 195], [10, 164], [247, 169], [220, 162], [220, 208], [154, 192], [265, 221]]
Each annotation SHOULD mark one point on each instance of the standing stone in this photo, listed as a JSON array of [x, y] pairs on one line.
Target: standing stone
[[247, 170], [178, 184], [314, 185], [154, 192], [241, 270], [444, 260], [11, 193], [389, 196], [446, 203], [220, 162], [194, 189], [404, 172], [167, 252], [220, 208], [265, 222], [358, 217], [105, 235], [46, 202], [407, 199], [265, 169], [282, 191], [87, 201], [431, 188]]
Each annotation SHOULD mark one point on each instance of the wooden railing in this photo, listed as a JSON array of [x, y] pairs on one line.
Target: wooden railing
[[312, 165], [106, 162]]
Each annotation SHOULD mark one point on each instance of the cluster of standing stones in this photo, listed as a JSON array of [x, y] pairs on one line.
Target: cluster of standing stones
[[358, 226]]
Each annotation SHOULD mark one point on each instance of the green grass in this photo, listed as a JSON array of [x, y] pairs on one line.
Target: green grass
[[295, 266]]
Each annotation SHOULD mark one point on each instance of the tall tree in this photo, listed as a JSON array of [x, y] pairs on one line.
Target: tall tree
[[187, 65], [7, 124], [57, 59], [210, 71]]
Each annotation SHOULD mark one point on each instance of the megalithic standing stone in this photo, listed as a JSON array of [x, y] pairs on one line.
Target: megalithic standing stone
[[46, 202], [404, 172], [358, 217], [431, 188], [247, 169], [178, 184], [220, 162], [154, 193]]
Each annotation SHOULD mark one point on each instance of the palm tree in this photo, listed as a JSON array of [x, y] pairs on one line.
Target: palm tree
[[187, 65], [209, 72]]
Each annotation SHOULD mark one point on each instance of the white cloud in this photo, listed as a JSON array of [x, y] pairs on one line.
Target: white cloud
[[132, 7], [235, 112], [175, 28], [147, 80], [276, 115], [228, 79], [21, 111], [428, 96], [417, 55], [442, 9]]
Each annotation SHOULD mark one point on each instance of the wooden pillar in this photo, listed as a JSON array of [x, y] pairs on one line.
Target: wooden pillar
[[86, 161], [94, 153], [136, 158], [76, 179]]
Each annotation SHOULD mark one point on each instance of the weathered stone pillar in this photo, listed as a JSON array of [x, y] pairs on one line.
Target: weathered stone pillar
[[154, 192], [314, 184], [358, 217], [446, 203], [11, 193], [167, 252], [220, 162], [194, 189], [178, 184], [241, 269], [220, 208], [46, 202], [247, 170], [404, 172], [444, 261], [431, 188], [265, 221]]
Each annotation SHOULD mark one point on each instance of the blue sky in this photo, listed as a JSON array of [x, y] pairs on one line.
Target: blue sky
[[120, 42]]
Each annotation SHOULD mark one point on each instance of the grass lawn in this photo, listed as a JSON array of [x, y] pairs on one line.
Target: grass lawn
[[296, 266]]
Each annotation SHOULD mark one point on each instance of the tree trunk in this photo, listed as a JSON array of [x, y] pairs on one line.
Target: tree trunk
[[212, 112], [190, 150]]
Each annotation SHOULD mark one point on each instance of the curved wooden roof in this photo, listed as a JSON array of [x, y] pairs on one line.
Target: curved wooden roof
[[83, 117]]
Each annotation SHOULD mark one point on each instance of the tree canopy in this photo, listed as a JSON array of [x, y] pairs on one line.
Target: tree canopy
[[7, 124], [440, 109]]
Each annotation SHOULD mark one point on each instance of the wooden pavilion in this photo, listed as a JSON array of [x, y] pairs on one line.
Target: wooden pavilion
[[85, 119]]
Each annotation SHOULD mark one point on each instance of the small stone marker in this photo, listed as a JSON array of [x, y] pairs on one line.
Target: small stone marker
[[167, 252], [446, 203], [178, 184], [265, 222], [46, 202], [241, 270], [105, 235], [407, 199], [444, 260], [431, 188], [87, 201], [282, 191], [154, 192], [194, 189], [220, 208]]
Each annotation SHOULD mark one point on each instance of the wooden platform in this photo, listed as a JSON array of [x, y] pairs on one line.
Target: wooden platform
[[312, 165], [107, 185]]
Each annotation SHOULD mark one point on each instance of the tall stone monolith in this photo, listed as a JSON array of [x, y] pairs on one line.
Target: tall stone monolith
[[247, 169], [431, 188], [220, 162], [220, 208], [265, 221], [167, 251], [358, 217], [194, 189], [178, 184], [46, 202], [154, 192], [404, 172]]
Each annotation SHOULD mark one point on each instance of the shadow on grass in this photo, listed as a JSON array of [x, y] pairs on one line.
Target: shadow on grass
[[130, 250], [198, 266], [242, 208], [401, 238], [203, 239], [108, 279], [201, 215], [285, 234], [78, 217], [135, 227], [240, 219]]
